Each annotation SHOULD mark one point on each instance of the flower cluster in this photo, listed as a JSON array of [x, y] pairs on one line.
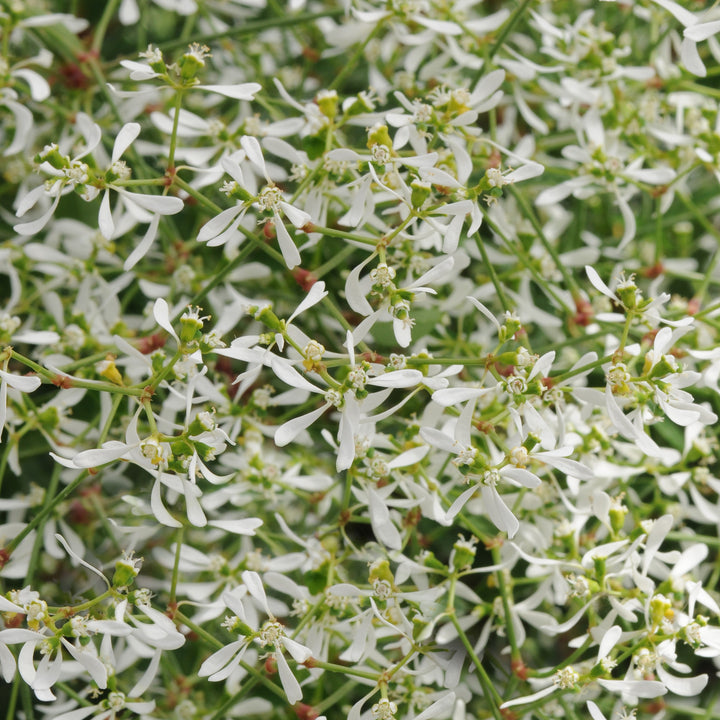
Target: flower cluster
[[359, 359]]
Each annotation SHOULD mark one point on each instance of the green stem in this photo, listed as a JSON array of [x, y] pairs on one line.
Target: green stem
[[227, 268], [39, 540], [173, 136], [214, 642], [333, 232], [345, 669], [355, 58], [492, 273], [6, 457], [176, 565], [27, 702], [75, 382], [491, 694], [40, 517], [507, 601], [583, 369], [101, 27], [254, 28], [530, 215], [505, 32], [334, 698], [12, 700]]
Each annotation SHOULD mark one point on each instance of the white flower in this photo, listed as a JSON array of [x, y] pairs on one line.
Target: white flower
[[696, 30], [19, 383], [220, 665]]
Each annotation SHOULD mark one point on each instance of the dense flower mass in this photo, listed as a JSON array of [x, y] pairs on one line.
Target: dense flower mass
[[359, 359]]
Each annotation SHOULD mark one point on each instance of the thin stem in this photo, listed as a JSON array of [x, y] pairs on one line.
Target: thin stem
[[506, 594], [492, 273], [355, 58], [176, 566], [254, 28], [39, 539], [491, 694], [505, 32], [101, 27], [40, 517], [344, 669], [176, 122], [530, 215], [75, 382], [217, 279], [12, 700]]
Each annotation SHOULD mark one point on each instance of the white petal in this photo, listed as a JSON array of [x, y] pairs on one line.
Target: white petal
[[289, 250], [255, 587], [144, 245], [288, 374], [159, 510], [498, 512], [316, 293], [105, 219], [519, 475], [639, 688], [702, 31], [629, 220], [299, 652], [95, 668], [489, 84], [254, 153], [684, 686], [35, 226], [213, 227], [383, 527], [161, 312], [147, 677], [409, 457], [609, 641], [691, 58], [290, 684], [397, 379], [244, 91], [439, 177], [220, 659], [78, 559], [297, 217], [159, 204], [39, 88], [246, 526], [23, 126], [23, 383], [442, 707], [453, 396], [529, 698], [127, 135], [438, 439], [110, 451]]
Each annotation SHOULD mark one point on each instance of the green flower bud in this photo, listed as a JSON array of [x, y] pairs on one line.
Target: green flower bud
[[270, 320], [191, 325], [193, 61], [420, 192], [327, 101], [380, 570], [379, 135], [126, 570]]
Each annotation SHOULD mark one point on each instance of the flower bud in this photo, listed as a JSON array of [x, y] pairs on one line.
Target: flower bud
[[270, 319], [327, 101], [109, 371], [126, 570], [191, 325]]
